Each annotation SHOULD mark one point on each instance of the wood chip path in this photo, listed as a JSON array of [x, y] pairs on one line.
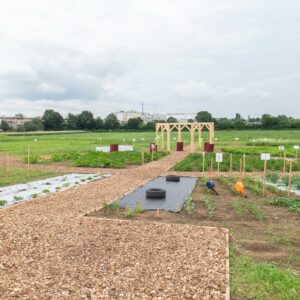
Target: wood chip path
[[49, 250]]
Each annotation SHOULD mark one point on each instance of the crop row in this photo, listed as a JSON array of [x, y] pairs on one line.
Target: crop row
[[98, 159], [194, 162]]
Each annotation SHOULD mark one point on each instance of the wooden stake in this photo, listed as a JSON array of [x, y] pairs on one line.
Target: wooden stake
[[230, 164], [211, 168], [142, 167], [265, 175], [203, 162], [290, 177], [284, 157], [28, 157], [244, 164], [152, 155], [157, 212], [218, 167]]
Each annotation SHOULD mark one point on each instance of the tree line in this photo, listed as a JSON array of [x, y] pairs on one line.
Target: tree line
[[53, 120]]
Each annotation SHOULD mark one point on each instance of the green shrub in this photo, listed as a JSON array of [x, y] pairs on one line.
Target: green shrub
[[189, 205], [129, 213], [139, 208], [113, 206]]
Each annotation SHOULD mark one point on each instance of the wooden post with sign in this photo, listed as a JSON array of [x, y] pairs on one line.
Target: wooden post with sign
[[244, 164], [219, 159], [284, 158], [230, 164]]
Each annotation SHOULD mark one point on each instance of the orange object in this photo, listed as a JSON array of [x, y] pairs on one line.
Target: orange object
[[239, 187]]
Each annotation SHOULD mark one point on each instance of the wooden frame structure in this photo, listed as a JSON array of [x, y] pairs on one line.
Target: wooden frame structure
[[191, 127]]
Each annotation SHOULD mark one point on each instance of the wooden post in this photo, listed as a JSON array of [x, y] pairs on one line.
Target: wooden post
[[284, 157], [241, 169], [290, 177], [168, 138], [211, 167], [179, 134], [152, 155], [203, 161], [244, 164], [162, 139], [264, 179], [192, 140], [142, 167], [230, 164], [28, 157], [218, 167]]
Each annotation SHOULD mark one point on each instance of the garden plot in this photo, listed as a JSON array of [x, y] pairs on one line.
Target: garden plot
[[21, 192]]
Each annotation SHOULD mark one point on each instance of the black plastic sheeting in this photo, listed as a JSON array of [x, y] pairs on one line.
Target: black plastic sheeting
[[176, 193]]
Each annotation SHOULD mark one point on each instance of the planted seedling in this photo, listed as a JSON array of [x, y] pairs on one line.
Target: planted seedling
[[45, 191], [139, 208], [189, 204], [114, 206], [18, 198], [209, 205], [3, 202], [129, 213], [35, 195]]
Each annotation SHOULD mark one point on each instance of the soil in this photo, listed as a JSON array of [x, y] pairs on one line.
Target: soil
[[275, 239]]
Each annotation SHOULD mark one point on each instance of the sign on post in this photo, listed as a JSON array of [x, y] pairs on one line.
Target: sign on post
[[296, 147], [265, 156], [281, 148], [219, 159]]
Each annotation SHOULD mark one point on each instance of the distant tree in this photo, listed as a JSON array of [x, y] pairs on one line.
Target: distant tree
[[239, 124], [72, 121], [85, 120], [134, 123], [191, 120], [172, 120], [111, 122], [52, 120], [238, 116], [99, 124], [19, 115], [204, 116], [150, 126], [5, 126], [35, 125], [224, 123]]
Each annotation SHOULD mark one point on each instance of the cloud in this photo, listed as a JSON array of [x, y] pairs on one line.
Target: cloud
[[114, 55]]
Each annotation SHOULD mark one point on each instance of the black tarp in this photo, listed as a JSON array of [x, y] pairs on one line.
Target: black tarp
[[176, 193]]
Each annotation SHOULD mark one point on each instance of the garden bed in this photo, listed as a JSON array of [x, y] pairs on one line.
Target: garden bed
[[22, 192], [265, 236], [194, 163], [97, 159]]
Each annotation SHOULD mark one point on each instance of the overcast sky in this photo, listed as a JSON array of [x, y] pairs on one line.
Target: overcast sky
[[175, 56]]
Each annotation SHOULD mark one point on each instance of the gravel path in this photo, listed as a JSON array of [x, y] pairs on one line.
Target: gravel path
[[48, 250]]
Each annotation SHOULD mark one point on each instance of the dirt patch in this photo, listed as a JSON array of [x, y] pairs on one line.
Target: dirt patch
[[257, 229]]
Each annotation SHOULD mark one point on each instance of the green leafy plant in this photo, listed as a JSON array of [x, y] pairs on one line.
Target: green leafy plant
[[189, 204], [293, 204], [113, 206], [209, 205], [45, 191], [129, 213], [18, 198], [139, 208], [3, 202], [35, 195]]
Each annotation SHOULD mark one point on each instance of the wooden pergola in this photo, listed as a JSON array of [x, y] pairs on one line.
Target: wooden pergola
[[191, 127]]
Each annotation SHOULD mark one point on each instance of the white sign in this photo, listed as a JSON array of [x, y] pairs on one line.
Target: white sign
[[296, 147], [281, 148], [265, 156], [236, 139], [219, 157]]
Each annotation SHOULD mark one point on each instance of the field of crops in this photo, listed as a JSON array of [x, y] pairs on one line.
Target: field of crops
[[44, 144]]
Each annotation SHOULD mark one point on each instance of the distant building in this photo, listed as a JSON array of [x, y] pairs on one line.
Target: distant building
[[124, 116], [15, 121]]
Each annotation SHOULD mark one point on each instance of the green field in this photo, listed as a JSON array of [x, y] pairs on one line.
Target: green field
[[87, 141], [15, 176]]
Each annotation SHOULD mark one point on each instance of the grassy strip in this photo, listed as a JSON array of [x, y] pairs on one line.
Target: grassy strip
[[261, 281], [15, 176], [290, 203]]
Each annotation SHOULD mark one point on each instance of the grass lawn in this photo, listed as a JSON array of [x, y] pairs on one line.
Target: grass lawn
[[87, 141], [15, 176]]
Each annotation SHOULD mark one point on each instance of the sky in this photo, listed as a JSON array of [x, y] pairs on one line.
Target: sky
[[173, 56]]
